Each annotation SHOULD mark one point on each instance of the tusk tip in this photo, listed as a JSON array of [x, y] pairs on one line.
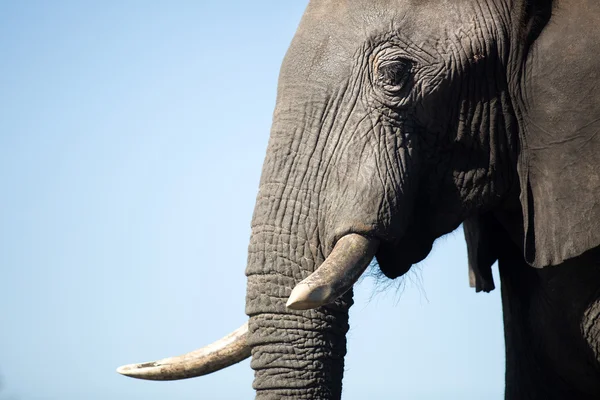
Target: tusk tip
[[304, 297], [125, 370], [136, 370]]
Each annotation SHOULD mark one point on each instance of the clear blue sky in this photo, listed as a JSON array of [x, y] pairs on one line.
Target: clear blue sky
[[131, 141]]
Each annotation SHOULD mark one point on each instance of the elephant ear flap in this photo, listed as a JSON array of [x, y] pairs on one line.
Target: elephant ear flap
[[559, 165], [482, 249]]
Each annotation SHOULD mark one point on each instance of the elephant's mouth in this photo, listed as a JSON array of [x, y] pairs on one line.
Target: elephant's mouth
[[395, 259]]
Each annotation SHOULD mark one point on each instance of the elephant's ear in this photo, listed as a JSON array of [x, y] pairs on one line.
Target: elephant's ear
[[480, 234], [559, 166]]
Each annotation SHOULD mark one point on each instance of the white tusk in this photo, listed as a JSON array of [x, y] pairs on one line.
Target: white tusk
[[348, 260], [223, 353]]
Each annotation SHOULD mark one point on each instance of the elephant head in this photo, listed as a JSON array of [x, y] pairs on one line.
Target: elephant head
[[396, 121]]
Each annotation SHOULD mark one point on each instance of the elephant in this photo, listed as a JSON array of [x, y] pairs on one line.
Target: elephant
[[396, 121]]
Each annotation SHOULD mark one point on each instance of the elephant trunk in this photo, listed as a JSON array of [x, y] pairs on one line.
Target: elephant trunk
[[296, 354], [299, 355]]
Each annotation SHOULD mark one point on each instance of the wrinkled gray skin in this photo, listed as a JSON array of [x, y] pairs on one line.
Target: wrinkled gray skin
[[400, 120]]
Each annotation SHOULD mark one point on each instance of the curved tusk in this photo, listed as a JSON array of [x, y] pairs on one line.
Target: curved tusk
[[223, 353], [348, 260]]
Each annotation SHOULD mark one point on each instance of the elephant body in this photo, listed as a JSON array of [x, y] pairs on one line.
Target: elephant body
[[398, 120]]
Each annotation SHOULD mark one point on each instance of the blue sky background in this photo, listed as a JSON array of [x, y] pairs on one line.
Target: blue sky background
[[132, 135]]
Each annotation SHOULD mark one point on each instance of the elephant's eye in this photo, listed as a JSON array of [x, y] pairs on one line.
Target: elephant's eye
[[392, 75]]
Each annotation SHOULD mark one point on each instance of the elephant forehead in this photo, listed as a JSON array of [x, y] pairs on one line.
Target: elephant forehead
[[334, 34], [366, 12]]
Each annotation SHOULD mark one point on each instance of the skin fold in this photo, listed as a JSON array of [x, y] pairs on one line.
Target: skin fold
[[398, 120]]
